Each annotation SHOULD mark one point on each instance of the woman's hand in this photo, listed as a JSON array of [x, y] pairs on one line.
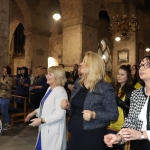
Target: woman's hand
[[130, 134], [70, 86], [64, 104], [30, 115], [88, 115], [111, 139], [35, 122]]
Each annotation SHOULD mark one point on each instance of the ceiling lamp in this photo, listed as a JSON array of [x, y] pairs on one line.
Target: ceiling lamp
[[56, 16], [147, 49], [123, 26], [117, 39]]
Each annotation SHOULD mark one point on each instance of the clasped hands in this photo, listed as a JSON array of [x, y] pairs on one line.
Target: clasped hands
[[35, 121], [125, 134], [87, 114]]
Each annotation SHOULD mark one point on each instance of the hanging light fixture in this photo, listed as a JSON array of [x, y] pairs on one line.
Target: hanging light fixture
[[124, 27]]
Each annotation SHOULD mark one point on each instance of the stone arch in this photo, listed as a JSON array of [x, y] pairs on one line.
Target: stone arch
[[113, 8], [13, 26], [26, 13]]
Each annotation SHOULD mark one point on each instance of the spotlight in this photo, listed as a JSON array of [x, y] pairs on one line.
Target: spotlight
[[56, 16]]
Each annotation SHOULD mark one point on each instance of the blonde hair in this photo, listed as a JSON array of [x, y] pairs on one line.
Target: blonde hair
[[94, 70], [59, 74]]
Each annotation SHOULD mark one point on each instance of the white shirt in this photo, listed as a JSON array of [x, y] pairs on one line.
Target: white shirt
[[142, 117]]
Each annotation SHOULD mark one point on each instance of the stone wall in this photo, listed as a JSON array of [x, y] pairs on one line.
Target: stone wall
[[78, 31], [4, 33]]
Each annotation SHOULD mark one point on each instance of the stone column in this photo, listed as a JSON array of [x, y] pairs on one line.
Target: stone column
[[36, 49], [4, 33], [80, 22]]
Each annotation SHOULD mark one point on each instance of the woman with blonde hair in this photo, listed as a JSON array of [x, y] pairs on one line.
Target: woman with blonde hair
[[92, 105], [51, 117]]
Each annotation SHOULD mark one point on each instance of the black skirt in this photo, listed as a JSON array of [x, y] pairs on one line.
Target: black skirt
[[83, 139]]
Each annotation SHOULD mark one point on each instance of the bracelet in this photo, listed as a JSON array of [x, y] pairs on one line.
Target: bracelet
[[122, 140]]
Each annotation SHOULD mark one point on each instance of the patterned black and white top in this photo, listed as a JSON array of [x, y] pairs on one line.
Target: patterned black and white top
[[137, 102]]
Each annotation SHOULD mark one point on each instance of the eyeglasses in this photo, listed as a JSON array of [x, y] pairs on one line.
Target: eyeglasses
[[146, 65]]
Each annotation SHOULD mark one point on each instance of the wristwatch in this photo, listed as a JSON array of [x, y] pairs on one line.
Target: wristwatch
[[142, 135]]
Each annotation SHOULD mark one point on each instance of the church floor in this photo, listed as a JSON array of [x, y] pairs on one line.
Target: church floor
[[19, 138]]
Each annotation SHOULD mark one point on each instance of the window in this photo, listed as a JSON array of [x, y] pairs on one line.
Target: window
[[19, 40]]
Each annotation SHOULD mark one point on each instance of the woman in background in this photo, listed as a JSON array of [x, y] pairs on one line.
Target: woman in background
[[6, 85], [39, 88], [124, 89], [51, 118], [136, 81], [23, 83], [92, 106]]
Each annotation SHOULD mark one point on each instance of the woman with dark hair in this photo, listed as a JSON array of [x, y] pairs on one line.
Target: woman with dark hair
[[23, 83], [6, 85], [123, 91], [136, 127]]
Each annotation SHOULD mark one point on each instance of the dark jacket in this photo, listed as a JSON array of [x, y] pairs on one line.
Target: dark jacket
[[6, 85], [102, 100], [125, 104]]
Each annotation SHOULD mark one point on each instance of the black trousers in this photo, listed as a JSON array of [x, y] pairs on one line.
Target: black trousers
[[140, 145]]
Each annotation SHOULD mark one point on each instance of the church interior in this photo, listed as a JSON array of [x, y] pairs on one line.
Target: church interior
[[118, 30], [29, 34]]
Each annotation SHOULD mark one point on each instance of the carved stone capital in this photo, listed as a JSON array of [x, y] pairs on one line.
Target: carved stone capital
[[81, 20]]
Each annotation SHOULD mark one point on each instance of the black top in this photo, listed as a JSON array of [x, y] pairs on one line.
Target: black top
[[83, 139]]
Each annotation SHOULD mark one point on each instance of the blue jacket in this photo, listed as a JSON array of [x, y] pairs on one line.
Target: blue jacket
[[103, 101]]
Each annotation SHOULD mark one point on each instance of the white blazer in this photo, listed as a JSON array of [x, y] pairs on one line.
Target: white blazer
[[53, 131]]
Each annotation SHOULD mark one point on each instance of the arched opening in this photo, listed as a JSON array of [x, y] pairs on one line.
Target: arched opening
[[19, 41]]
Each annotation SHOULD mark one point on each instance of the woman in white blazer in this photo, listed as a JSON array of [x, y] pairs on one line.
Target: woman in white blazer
[[51, 118]]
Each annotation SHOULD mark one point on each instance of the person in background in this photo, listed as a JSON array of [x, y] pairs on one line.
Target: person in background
[[124, 89], [107, 78], [136, 81], [66, 72], [45, 71], [70, 86], [51, 118], [39, 88], [74, 74], [31, 77], [6, 85], [137, 124], [109, 73], [23, 84], [92, 106]]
